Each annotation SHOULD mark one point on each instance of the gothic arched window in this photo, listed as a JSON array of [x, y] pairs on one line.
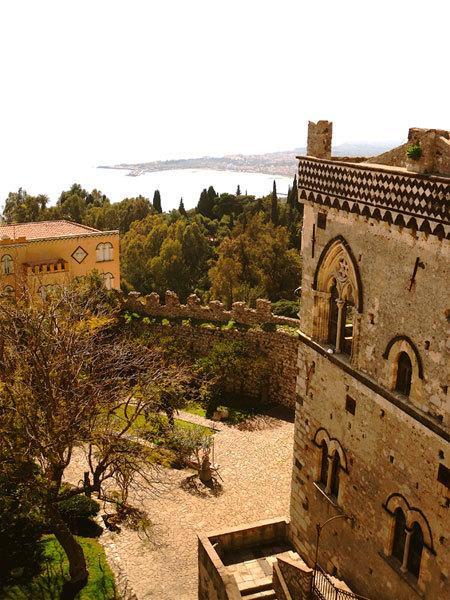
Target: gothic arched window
[[339, 296], [404, 374]]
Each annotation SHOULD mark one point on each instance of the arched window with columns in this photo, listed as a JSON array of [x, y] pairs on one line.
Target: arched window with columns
[[410, 536], [332, 462], [338, 296]]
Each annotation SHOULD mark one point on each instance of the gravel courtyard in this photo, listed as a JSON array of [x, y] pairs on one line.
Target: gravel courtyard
[[256, 471]]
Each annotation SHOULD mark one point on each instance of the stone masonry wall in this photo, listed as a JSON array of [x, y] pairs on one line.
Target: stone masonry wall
[[184, 323]]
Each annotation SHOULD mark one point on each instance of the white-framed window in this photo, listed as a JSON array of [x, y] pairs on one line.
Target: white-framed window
[[7, 264], [108, 279], [104, 251]]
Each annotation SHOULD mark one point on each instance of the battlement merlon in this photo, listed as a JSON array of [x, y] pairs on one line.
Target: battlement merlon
[[214, 311]]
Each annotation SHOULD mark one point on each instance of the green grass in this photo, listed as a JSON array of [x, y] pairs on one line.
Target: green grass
[[55, 568], [195, 408], [237, 412], [141, 423]]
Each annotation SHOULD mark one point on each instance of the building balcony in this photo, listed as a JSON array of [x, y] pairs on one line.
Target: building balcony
[[46, 267]]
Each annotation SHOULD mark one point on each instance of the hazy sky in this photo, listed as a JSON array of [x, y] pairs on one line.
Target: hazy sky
[[144, 79]]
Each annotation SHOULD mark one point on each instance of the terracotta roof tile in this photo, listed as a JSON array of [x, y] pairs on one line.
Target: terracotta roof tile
[[44, 229]]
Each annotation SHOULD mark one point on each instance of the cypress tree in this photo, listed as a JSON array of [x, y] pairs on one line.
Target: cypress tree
[[181, 209], [205, 204], [238, 190], [157, 202], [274, 205]]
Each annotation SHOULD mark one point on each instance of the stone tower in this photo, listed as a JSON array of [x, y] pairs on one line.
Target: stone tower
[[373, 418]]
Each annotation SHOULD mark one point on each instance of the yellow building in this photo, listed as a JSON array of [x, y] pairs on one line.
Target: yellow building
[[37, 256]]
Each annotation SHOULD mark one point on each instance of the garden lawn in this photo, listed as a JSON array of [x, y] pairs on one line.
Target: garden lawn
[[55, 568]]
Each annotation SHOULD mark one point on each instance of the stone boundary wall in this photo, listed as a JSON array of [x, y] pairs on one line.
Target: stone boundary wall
[[292, 580], [193, 309], [279, 348]]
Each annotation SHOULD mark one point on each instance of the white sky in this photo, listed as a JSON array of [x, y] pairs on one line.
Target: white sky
[[130, 80]]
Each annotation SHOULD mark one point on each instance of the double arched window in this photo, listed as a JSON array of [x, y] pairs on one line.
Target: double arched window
[[338, 296], [104, 251], [332, 462], [410, 536], [7, 264], [407, 545]]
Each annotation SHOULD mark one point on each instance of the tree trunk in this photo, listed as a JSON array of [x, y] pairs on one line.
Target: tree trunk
[[170, 418], [77, 563]]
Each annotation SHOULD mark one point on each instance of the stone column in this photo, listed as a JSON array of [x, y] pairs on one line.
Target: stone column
[[340, 305], [404, 566], [321, 315], [329, 475]]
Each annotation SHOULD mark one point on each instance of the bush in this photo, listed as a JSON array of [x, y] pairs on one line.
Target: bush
[[286, 308], [77, 512]]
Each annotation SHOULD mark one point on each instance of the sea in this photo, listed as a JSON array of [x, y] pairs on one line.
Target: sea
[[117, 184]]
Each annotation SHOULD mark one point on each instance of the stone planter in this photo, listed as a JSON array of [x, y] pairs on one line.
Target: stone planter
[[416, 166]]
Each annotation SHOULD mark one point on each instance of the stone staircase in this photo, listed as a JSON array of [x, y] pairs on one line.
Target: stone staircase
[[263, 591]]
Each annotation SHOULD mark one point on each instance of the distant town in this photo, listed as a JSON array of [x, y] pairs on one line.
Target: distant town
[[273, 163]]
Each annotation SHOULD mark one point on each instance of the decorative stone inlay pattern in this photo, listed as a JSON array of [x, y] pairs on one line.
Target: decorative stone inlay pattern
[[419, 202]]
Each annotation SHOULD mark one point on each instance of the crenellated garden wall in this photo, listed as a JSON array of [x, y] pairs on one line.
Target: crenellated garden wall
[[198, 327]]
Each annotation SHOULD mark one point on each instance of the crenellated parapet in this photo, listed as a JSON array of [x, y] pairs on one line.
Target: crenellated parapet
[[214, 311]]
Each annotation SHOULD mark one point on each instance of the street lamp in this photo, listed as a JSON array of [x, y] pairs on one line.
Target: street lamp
[[319, 528]]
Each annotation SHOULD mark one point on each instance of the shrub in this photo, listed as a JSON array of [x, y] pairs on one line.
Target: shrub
[[77, 512], [414, 152], [286, 308], [78, 507]]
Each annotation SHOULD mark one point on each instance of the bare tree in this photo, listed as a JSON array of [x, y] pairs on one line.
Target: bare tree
[[70, 378]]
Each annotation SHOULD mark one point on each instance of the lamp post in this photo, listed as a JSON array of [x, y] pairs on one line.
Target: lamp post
[[319, 528]]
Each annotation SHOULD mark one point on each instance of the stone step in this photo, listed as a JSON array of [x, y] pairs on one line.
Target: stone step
[[262, 595], [264, 591]]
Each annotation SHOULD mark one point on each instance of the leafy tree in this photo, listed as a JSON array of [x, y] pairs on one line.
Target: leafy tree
[[255, 261], [274, 205], [21, 521], [157, 202], [69, 381], [20, 207]]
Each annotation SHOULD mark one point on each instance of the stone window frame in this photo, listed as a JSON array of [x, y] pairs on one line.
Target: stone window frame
[[104, 252], [412, 516], [337, 269], [394, 349], [334, 448], [7, 264]]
